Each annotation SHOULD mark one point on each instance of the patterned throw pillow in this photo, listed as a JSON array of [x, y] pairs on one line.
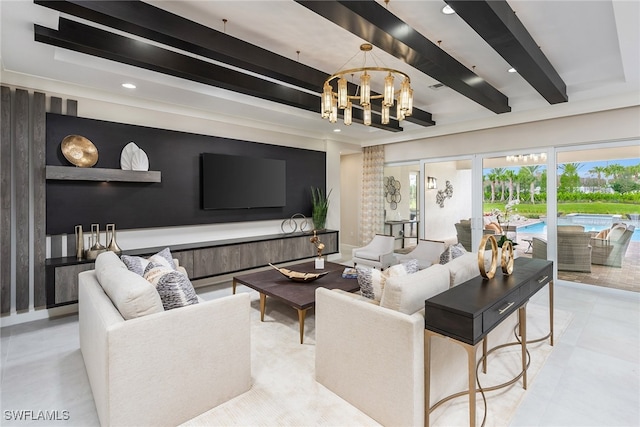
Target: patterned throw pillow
[[372, 280], [174, 287], [452, 252], [138, 264]]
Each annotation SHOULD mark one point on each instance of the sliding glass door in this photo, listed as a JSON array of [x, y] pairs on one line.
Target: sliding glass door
[[598, 206]]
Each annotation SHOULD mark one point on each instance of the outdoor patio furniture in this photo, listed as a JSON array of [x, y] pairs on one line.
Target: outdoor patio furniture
[[610, 249], [463, 229], [574, 250]]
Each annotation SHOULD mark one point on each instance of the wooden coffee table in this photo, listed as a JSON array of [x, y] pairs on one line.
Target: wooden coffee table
[[299, 295]]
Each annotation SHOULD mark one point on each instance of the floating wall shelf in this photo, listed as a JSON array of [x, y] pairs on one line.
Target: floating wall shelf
[[100, 174]]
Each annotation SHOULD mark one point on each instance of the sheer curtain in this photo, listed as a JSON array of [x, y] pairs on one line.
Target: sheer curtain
[[372, 209]]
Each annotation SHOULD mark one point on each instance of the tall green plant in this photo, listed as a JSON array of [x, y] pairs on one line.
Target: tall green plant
[[320, 207]]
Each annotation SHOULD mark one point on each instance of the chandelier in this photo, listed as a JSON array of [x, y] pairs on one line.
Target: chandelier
[[528, 157], [333, 100]]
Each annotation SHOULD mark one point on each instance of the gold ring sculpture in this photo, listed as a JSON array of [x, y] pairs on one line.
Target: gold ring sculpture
[[494, 255], [507, 257]]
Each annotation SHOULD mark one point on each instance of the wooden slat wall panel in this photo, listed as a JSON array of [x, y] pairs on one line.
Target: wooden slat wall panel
[[56, 105], [72, 107], [5, 195], [38, 160], [21, 186], [23, 131]]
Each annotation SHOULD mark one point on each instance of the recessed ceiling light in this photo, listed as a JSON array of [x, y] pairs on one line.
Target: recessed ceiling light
[[128, 85], [337, 130], [448, 10], [512, 70]]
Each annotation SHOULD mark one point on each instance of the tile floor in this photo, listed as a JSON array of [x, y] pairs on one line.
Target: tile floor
[[592, 377]]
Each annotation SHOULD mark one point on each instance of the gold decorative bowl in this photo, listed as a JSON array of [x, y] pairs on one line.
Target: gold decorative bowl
[[79, 151], [298, 276]]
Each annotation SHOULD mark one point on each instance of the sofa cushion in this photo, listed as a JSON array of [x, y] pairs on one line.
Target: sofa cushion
[[452, 252], [139, 264], [367, 254], [174, 287], [372, 280], [465, 267], [131, 294], [407, 293]]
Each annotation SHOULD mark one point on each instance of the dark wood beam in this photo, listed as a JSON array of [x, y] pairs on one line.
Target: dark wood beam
[[372, 22], [93, 41], [155, 24], [498, 25]]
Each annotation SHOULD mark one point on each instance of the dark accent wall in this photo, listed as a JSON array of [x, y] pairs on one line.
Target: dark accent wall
[[176, 200]]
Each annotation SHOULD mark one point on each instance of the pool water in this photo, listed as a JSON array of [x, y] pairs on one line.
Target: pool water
[[541, 228]]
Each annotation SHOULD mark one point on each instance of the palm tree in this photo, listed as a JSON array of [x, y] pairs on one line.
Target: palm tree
[[598, 171], [509, 176], [491, 177], [614, 170], [531, 172], [570, 180], [499, 180]]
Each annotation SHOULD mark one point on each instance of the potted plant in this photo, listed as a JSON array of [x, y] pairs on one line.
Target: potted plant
[[320, 206]]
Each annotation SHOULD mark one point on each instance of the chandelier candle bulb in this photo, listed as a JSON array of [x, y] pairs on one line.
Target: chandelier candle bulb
[[365, 87], [388, 91], [333, 117], [342, 93], [367, 114], [348, 116], [385, 115], [327, 99]]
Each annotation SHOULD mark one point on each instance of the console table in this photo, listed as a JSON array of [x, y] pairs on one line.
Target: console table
[[401, 234], [468, 312]]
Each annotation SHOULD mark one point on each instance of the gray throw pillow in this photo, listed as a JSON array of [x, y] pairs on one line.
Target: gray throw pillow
[[452, 252], [139, 264], [174, 287]]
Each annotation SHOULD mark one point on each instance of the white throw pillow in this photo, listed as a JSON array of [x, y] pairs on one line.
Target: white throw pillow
[[131, 294], [407, 293], [372, 280]]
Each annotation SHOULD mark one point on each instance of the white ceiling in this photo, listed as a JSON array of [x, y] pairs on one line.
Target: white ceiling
[[594, 45]]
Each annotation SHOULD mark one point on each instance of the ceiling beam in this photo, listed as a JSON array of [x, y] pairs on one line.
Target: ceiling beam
[[93, 41], [372, 22], [150, 22], [498, 25]]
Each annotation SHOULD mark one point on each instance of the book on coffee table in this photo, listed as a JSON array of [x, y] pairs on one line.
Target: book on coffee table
[[350, 273]]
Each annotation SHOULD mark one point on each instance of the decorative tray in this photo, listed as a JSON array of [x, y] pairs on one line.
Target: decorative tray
[[298, 276]]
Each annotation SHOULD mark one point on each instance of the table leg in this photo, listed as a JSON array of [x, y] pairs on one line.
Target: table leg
[[233, 285], [471, 354], [427, 376], [301, 316], [263, 303], [551, 310], [484, 355], [522, 318]]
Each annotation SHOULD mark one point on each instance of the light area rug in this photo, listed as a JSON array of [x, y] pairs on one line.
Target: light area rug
[[284, 391]]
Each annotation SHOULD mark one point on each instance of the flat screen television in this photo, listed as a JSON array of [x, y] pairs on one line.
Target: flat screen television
[[239, 182]]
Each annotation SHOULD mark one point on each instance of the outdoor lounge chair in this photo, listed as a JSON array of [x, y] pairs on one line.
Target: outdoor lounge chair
[[463, 229], [574, 250], [611, 248]]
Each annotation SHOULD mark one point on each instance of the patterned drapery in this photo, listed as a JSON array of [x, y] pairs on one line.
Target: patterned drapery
[[372, 208]]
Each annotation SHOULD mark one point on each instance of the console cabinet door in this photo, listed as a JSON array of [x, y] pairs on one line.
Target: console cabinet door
[[66, 282]]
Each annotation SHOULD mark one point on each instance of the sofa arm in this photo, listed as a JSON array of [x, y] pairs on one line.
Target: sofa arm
[[169, 367], [371, 356]]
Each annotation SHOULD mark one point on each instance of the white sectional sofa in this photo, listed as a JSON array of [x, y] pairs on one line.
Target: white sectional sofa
[[373, 355], [159, 368]]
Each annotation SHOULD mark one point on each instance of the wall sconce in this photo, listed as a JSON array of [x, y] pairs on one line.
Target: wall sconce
[[432, 183]]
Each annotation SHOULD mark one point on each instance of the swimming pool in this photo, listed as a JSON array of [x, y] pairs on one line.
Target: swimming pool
[[590, 222]]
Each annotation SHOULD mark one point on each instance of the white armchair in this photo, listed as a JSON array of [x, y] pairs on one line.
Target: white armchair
[[426, 253], [378, 253]]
